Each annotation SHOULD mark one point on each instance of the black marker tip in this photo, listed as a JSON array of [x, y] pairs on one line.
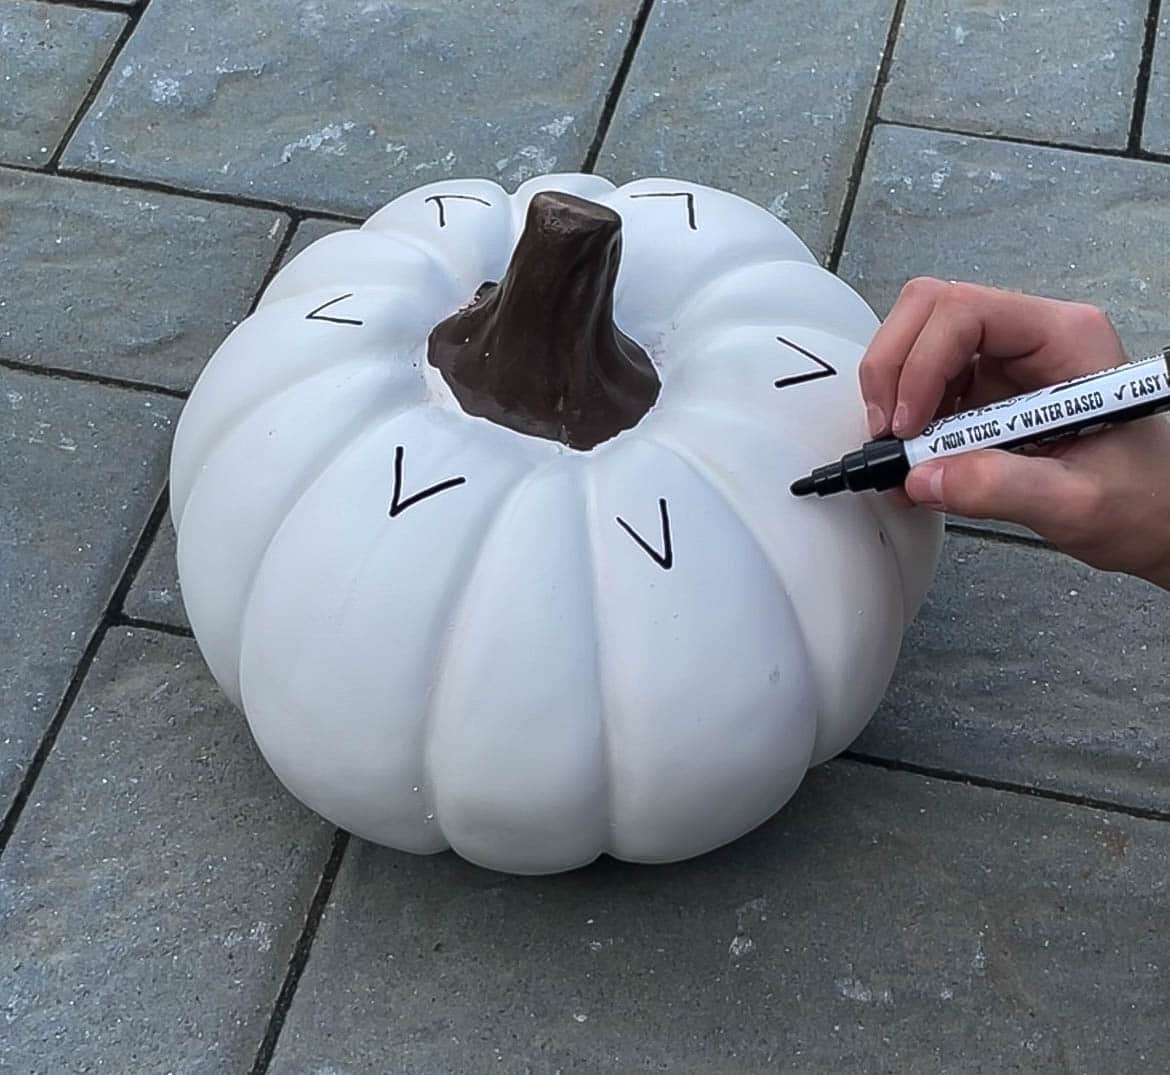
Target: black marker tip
[[802, 486]]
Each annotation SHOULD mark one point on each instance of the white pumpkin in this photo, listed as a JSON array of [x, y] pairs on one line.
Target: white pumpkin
[[445, 632]]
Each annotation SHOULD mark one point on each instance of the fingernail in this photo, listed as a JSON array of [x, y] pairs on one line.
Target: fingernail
[[924, 484], [901, 413], [875, 418]]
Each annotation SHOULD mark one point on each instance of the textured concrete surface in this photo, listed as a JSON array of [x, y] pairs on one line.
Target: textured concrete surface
[[337, 106], [857, 932], [159, 892], [155, 595], [129, 284], [154, 889], [49, 57], [767, 100], [82, 466], [1061, 72], [1029, 667], [1052, 222]]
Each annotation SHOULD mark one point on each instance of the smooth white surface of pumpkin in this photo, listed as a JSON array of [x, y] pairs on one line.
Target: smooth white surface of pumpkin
[[445, 633]]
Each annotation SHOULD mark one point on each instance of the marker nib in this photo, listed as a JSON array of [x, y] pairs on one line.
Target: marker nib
[[802, 486]]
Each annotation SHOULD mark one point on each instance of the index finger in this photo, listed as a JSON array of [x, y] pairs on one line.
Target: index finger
[[936, 329]]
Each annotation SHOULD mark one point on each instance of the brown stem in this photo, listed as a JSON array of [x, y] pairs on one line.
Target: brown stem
[[539, 352]]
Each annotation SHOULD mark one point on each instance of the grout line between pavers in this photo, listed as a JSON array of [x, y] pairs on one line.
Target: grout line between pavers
[[155, 186], [1088, 802], [1141, 92], [300, 956], [132, 16], [1115, 153], [609, 106], [239, 201], [282, 248], [81, 670], [871, 121], [101, 5], [59, 373], [138, 623]]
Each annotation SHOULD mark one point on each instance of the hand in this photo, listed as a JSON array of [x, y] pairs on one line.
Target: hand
[[946, 347]]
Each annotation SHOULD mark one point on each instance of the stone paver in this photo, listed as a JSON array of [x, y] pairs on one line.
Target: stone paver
[[155, 595], [1054, 222], [1064, 72], [1156, 129], [82, 466], [49, 57], [883, 923], [125, 283], [342, 106], [767, 100], [1026, 666], [309, 231], [156, 884]]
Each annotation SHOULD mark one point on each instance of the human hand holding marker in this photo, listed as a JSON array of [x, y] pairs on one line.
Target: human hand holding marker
[[945, 347]]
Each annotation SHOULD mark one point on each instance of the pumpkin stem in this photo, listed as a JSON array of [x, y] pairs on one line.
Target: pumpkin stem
[[539, 352]]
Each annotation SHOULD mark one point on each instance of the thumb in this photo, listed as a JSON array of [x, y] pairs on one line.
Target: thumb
[[1039, 492]]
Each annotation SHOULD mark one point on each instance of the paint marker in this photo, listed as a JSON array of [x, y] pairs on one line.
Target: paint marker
[[1084, 405]]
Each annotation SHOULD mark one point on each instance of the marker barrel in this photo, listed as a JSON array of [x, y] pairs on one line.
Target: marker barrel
[[1073, 408]]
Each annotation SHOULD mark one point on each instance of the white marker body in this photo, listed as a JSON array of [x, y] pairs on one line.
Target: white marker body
[[1083, 405]]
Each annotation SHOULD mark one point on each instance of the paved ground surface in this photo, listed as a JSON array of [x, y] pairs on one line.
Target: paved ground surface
[[980, 886]]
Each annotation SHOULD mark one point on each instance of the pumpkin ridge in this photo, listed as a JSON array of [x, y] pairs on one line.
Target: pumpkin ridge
[[592, 528], [874, 505], [333, 458], [228, 419], [702, 472], [214, 436], [457, 595]]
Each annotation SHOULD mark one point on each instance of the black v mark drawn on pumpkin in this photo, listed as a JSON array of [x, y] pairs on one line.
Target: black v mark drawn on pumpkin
[[397, 505], [438, 199], [676, 194], [315, 315], [801, 378], [664, 559]]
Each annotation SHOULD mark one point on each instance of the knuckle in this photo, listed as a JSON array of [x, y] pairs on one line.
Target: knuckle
[[922, 287], [1085, 317]]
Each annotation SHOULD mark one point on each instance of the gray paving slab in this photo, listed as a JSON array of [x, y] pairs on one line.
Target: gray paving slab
[[1051, 222], [155, 594], [82, 468], [342, 106], [125, 283], [1156, 125], [49, 58], [766, 100], [1026, 666], [1062, 72], [157, 882], [883, 923], [309, 231]]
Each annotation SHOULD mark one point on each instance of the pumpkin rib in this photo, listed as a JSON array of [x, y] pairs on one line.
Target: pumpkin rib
[[349, 444], [593, 531], [874, 505], [458, 594], [230, 421], [702, 471], [285, 285]]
